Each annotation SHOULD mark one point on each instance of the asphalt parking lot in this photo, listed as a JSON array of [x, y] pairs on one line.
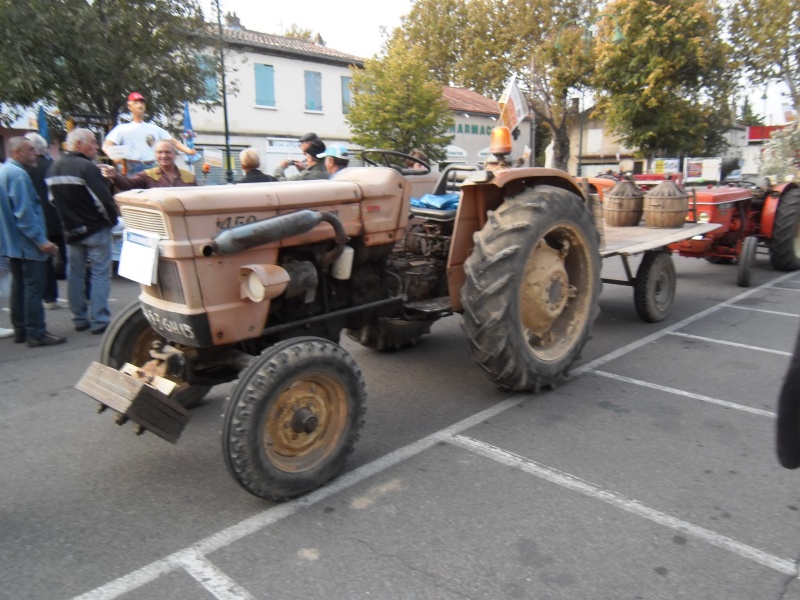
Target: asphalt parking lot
[[650, 474]]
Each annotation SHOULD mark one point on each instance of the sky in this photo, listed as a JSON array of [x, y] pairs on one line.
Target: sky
[[351, 26], [354, 27]]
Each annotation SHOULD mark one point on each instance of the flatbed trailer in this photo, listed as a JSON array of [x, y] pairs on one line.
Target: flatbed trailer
[[655, 279]]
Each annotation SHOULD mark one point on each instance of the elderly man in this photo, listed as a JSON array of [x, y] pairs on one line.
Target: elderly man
[[313, 168], [87, 212], [250, 161], [38, 173], [23, 239], [140, 137], [336, 159], [166, 174]]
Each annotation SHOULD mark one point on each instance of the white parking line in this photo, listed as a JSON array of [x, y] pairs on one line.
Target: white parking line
[[576, 484], [709, 399], [700, 338], [592, 365], [785, 288], [221, 539], [769, 312], [210, 577], [229, 535]]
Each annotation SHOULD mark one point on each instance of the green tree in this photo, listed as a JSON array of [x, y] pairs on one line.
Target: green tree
[[479, 44], [781, 157], [86, 55], [663, 89], [299, 33], [747, 116], [398, 105], [766, 37]]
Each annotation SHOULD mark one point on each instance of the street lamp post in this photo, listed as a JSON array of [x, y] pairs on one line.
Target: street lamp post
[[617, 38], [228, 170]]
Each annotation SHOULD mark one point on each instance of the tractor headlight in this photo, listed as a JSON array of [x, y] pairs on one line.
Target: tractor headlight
[[262, 282], [703, 217]]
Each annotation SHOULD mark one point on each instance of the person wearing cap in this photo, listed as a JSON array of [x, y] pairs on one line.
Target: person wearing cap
[[306, 139], [140, 137], [335, 159], [313, 169], [251, 161]]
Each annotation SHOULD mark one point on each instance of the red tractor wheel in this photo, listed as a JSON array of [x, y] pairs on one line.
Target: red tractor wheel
[[784, 248]]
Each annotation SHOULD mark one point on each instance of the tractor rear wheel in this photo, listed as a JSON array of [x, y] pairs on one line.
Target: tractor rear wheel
[[531, 288], [784, 249], [293, 418], [654, 288], [747, 256], [128, 340]]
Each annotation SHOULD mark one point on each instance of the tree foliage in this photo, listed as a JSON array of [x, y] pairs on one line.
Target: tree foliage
[[299, 33], [398, 105], [781, 156], [85, 56], [665, 87], [766, 37]]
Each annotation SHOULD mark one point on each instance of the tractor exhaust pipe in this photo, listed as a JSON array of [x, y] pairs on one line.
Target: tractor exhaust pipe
[[263, 232]]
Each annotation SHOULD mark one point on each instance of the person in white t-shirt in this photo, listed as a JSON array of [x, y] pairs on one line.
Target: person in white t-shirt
[[140, 137]]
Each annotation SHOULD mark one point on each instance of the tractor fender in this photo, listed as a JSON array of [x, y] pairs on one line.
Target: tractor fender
[[484, 191], [771, 208]]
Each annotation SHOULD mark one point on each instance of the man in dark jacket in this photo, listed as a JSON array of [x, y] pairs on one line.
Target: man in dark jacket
[[313, 167], [251, 161], [87, 211], [56, 262]]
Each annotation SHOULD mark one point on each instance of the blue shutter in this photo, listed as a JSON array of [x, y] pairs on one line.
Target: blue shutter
[[211, 93], [347, 94], [313, 90], [265, 85]]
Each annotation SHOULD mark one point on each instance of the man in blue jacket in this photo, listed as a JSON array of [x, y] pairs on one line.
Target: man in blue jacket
[[24, 241]]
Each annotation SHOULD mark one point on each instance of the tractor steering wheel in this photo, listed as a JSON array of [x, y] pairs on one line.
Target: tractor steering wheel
[[384, 158]]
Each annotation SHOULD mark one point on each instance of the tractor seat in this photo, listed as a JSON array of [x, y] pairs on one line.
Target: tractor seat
[[440, 205]]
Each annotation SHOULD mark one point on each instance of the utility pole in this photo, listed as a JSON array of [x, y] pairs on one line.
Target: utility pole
[[228, 170]]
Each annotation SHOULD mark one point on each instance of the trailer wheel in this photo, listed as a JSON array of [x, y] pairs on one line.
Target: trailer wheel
[[293, 418], [654, 288], [128, 340], [747, 256], [389, 334], [787, 427], [784, 249], [531, 288]]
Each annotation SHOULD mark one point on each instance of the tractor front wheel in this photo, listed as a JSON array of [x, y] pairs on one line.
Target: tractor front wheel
[[129, 338], [293, 418], [784, 249], [531, 288]]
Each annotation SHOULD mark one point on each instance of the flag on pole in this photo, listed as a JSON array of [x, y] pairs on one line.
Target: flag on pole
[[513, 107], [188, 133], [42, 124]]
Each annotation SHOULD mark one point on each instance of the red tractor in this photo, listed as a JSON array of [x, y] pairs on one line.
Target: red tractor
[[752, 213]]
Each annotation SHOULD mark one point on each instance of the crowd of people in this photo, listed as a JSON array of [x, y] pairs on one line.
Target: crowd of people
[[57, 215]]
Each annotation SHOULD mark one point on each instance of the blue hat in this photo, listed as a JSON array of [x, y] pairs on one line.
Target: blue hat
[[334, 150]]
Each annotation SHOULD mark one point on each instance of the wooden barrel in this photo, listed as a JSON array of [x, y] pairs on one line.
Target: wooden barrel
[[623, 205], [665, 206]]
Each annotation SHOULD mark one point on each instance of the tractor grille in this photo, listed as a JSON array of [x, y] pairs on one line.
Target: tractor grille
[[144, 219], [168, 287]]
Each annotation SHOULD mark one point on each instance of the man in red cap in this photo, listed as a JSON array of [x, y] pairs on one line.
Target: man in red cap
[[140, 138]]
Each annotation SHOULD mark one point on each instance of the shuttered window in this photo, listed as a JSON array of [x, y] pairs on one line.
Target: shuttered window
[[265, 85], [313, 90], [347, 94]]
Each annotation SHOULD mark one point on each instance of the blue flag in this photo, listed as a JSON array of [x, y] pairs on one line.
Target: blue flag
[[42, 124], [188, 133]]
